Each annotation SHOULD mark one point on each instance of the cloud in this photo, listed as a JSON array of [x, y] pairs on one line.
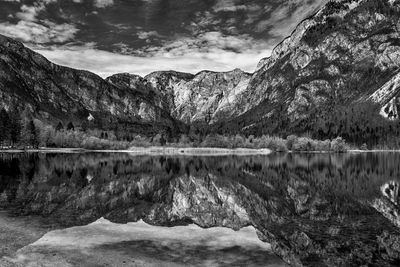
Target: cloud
[[207, 36], [286, 17], [206, 42], [106, 63], [103, 3], [30, 29], [274, 20], [32, 32], [145, 35], [28, 13], [228, 6], [210, 50]]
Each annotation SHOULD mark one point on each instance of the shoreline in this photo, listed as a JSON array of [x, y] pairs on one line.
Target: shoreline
[[197, 151], [154, 150], [186, 151]]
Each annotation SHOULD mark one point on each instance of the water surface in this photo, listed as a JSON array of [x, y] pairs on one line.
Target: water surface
[[332, 209]]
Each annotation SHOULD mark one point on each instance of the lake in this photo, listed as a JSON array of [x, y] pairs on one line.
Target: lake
[[310, 209]]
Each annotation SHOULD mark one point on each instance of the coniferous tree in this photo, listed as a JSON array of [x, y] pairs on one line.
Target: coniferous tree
[[163, 141], [15, 126], [70, 126], [29, 136], [5, 127], [59, 126], [84, 126], [34, 141]]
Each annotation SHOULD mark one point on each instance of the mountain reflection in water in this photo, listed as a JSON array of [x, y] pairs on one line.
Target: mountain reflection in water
[[315, 209]]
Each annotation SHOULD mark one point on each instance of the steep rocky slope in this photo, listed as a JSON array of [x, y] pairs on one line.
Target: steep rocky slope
[[347, 53], [205, 97], [55, 93], [161, 100], [343, 54]]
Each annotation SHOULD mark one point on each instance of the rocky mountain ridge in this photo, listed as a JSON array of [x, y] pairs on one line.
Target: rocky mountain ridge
[[347, 53], [54, 93], [167, 98], [204, 97]]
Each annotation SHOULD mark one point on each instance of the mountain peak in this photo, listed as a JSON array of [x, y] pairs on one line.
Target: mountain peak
[[343, 53]]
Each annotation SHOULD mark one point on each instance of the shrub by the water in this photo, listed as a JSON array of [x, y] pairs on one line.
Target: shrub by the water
[[339, 145], [364, 147], [28, 132]]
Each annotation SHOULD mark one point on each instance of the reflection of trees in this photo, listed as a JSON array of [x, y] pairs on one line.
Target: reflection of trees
[[321, 198], [338, 174], [51, 179]]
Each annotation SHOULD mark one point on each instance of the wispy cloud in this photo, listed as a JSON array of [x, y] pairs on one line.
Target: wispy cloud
[[118, 36], [30, 29], [285, 19], [103, 3], [207, 42], [228, 6], [106, 63]]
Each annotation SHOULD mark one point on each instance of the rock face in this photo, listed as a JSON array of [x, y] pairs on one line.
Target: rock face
[[347, 52], [158, 101], [206, 97], [55, 93]]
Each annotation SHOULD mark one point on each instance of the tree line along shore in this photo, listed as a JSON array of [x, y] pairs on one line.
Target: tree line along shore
[[21, 131]]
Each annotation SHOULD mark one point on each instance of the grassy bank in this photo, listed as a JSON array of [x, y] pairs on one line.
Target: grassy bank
[[93, 140], [197, 151]]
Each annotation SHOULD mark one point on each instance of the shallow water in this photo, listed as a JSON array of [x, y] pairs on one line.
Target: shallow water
[[312, 208]]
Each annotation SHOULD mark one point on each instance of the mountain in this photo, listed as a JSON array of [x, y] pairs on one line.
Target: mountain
[[337, 66], [54, 93], [205, 97], [345, 54], [159, 101]]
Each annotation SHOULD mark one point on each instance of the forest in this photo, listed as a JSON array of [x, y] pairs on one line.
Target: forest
[[330, 128], [23, 131]]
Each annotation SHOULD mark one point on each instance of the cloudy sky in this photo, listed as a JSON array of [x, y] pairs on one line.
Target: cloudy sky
[[141, 36]]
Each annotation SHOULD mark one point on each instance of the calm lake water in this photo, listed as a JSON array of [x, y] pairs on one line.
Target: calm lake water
[[313, 208]]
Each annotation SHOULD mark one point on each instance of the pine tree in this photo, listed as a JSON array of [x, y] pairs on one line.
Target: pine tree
[[84, 126], [15, 126], [163, 141], [59, 126], [29, 136], [28, 133], [5, 127], [70, 126], [34, 140]]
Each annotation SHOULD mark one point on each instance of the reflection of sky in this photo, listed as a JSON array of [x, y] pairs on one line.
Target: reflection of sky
[[140, 36]]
